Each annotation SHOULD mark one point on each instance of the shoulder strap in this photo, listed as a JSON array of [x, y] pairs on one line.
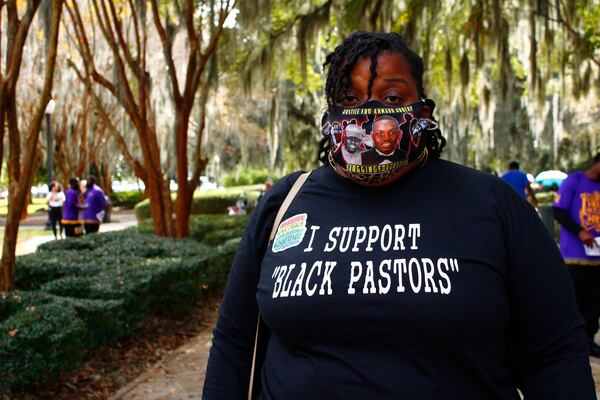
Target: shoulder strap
[[284, 206], [288, 200]]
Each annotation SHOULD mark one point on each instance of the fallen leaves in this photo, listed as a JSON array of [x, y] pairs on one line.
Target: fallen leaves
[[112, 367]]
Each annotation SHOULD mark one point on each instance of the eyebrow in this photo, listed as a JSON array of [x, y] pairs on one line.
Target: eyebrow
[[399, 80]]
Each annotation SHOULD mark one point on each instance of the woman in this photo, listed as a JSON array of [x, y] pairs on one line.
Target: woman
[[71, 208], [56, 199], [403, 277]]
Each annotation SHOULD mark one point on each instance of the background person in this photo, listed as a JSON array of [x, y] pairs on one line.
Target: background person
[[577, 208], [71, 208], [423, 280], [94, 207], [519, 181], [264, 189], [56, 200]]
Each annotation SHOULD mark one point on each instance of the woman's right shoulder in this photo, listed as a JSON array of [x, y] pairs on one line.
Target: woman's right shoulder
[[282, 187], [263, 216], [271, 201], [285, 183]]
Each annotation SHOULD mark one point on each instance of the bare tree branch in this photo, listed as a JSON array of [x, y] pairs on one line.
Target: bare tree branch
[[167, 47], [134, 164], [137, 31], [124, 48]]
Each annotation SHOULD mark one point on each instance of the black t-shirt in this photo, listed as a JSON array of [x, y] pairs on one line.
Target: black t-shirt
[[442, 285]]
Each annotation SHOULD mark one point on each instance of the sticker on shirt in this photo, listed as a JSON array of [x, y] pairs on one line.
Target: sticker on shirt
[[290, 233], [590, 211]]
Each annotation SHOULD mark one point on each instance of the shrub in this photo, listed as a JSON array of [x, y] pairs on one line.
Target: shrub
[[126, 199], [96, 290], [13, 302], [41, 341], [212, 230], [33, 270], [213, 202], [106, 320], [221, 236], [248, 177], [129, 242]]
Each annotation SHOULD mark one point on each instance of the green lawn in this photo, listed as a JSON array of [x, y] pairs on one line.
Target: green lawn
[[38, 204], [250, 191]]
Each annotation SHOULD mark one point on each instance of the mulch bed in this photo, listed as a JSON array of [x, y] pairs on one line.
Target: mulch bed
[[112, 367]]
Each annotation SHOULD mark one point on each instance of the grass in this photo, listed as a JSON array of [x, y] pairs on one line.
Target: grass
[[250, 191], [36, 205]]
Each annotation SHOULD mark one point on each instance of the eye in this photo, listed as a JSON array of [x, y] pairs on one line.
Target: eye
[[393, 100], [349, 101]]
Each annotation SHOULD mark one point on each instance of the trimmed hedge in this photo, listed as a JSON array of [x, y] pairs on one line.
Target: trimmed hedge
[[212, 230], [85, 292], [126, 199], [40, 341], [248, 177], [213, 202]]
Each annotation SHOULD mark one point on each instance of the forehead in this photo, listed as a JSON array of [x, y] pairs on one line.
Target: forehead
[[391, 68], [383, 122]]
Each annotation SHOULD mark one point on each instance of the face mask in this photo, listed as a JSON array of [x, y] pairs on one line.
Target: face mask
[[372, 142]]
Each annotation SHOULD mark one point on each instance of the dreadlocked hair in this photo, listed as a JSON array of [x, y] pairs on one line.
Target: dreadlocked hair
[[340, 63]]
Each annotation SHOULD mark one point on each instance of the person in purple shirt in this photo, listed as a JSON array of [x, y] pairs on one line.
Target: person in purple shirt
[[71, 208], [518, 180], [94, 206], [577, 209]]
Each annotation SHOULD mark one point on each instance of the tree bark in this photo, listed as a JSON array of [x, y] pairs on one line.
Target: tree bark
[[137, 106], [182, 208], [131, 87], [21, 174]]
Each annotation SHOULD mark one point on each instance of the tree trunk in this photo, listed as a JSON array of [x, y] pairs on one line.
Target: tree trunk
[[161, 205], [182, 208], [106, 179], [156, 211], [24, 212], [9, 247], [21, 170]]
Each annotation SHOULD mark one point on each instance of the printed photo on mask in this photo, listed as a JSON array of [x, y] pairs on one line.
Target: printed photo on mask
[[375, 134]]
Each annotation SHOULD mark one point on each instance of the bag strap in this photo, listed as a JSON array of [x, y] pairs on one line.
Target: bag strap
[[286, 203], [251, 387], [282, 209]]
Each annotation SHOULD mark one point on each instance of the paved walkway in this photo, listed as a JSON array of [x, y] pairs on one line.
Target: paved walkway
[[179, 376], [121, 221], [595, 363]]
